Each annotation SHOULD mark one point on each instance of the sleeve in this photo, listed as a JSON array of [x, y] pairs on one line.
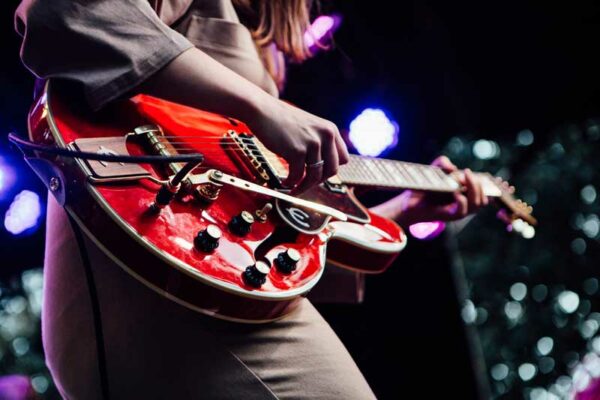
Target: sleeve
[[107, 46]]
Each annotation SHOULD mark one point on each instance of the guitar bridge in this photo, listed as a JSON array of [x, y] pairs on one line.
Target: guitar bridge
[[153, 137], [247, 151]]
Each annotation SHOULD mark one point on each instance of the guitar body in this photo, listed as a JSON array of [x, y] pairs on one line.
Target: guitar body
[[113, 204]]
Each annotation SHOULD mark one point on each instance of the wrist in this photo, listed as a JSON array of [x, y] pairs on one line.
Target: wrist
[[252, 107]]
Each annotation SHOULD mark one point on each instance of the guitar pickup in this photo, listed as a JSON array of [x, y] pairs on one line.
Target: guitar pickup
[[109, 171]]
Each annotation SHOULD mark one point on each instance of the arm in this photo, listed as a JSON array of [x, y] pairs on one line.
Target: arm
[[113, 48], [197, 80]]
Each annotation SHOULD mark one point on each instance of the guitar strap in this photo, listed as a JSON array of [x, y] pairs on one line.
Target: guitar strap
[[97, 317]]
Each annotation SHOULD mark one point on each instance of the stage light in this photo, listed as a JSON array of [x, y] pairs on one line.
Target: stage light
[[24, 213], [317, 33], [372, 132], [426, 230]]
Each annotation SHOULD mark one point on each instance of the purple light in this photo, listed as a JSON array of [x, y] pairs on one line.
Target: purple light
[[321, 28], [427, 230], [372, 132], [15, 387], [24, 213]]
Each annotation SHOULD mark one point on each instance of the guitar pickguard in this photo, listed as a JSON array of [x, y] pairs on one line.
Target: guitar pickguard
[[308, 221]]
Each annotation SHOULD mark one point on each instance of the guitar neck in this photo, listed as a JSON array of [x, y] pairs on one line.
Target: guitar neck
[[397, 175]]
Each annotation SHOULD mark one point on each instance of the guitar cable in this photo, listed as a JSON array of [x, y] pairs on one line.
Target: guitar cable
[[95, 304], [23, 144]]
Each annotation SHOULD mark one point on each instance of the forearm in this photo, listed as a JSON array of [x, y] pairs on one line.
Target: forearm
[[197, 80], [395, 209]]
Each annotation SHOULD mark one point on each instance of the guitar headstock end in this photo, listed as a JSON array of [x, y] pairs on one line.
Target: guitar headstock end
[[514, 212]]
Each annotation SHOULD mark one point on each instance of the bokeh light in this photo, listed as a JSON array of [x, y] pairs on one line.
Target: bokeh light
[[372, 132], [545, 345], [24, 213], [427, 230], [322, 28], [7, 178], [527, 371], [486, 149], [568, 301], [588, 194], [525, 138]]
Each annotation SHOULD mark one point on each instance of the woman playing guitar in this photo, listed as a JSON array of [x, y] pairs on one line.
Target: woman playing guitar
[[106, 335]]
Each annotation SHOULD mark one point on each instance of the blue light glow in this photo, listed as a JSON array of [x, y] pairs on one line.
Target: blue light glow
[[7, 178], [372, 132], [24, 213]]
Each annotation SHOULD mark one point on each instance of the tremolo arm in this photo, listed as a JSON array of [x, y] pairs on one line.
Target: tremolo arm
[[217, 177]]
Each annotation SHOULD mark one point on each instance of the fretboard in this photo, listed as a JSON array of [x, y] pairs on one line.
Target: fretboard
[[382, 173], [390, 174]]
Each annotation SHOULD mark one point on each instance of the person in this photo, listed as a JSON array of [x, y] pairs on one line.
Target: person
[[228, 57]]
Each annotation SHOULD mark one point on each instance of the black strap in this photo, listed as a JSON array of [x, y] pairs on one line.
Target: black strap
[[85, 260]]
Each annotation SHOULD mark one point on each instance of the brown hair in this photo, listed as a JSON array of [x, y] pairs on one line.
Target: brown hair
[[278, 28]]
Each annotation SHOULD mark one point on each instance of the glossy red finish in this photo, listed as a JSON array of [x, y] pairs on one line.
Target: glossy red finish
[[158, 248], [368, 248]]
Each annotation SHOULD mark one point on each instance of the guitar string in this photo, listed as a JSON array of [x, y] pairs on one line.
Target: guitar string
[[231, 144], [352, 169]]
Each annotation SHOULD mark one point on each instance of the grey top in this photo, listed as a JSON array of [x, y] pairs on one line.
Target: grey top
[[111, 46]]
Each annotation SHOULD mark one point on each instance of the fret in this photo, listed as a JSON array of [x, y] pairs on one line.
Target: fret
[[374, 170], [366, 171], [406, 176], [389, 179], [377, 172], [393, 172], [354, 172], [449, 182], [414, 175], [430, 174], [421, 172]]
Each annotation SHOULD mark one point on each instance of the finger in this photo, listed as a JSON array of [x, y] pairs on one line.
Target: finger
[[312, 175], [453, 211], [445, 164], [484, 199], [342, 149], [331, 157], [462, 206], [296, 167], [473, 190]]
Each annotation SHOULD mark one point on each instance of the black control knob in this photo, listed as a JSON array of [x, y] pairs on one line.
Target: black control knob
[[241, 224], [286, 261], [207, 240], [256, 275]]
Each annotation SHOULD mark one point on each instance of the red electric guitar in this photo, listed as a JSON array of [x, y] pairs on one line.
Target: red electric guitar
[[218, 233]]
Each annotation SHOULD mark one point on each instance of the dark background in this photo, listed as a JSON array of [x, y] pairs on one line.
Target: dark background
[[442, 69]]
